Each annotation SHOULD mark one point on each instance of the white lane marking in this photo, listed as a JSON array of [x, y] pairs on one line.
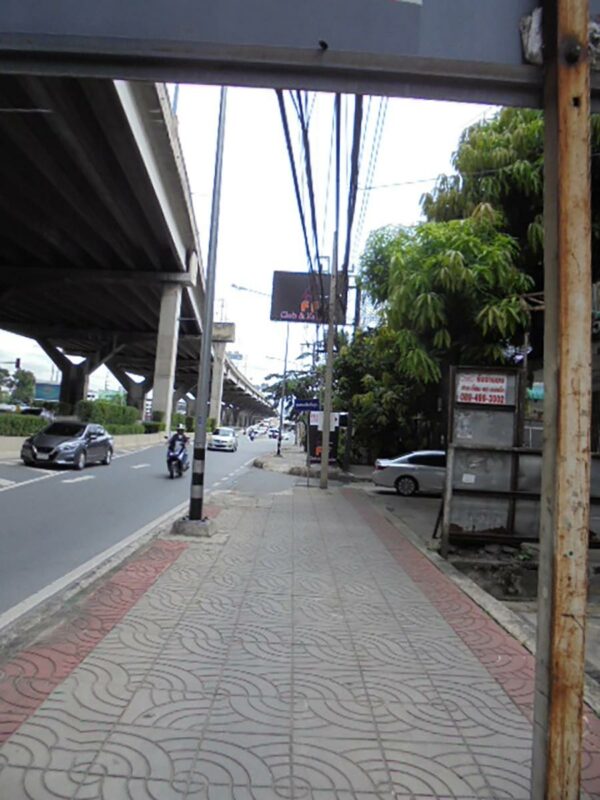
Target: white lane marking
[[139, 466], [78, 480], [31, 480], [6, 483], [89, 567], [135, 452]]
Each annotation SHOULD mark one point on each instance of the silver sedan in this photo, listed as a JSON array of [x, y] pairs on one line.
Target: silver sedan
[[421, 471]]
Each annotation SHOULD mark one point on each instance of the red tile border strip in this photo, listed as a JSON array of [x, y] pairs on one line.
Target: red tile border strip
[[30, 676], [507, 661]]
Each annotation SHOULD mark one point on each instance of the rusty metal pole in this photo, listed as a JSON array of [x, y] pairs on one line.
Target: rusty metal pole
[[562, 590]]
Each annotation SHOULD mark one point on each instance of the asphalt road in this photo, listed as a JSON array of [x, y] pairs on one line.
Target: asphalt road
[[53, 521]]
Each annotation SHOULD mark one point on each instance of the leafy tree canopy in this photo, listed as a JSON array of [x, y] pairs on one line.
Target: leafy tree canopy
[[299, 385], [5, 384], [375, 262], [500, 162], [24, 386], [455, 295], [388, 409]]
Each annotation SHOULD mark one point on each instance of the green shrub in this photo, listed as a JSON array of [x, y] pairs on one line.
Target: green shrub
[[210, 424], [125, 430], [106, 412], [17, 425], [158, 416], [178, 419], [190, 424], [85, 409], [153, 427]]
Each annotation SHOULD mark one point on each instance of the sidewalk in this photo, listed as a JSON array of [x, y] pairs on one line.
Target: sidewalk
[[307, 651]]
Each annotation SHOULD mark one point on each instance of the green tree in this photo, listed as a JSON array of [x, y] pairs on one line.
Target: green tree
[[375, 262], [5, 384], [500, 162], [455, 295], [299, 385], [391, 412], [24, 386]]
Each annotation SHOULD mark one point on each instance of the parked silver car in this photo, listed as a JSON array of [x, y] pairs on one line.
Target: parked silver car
[[421, 471]]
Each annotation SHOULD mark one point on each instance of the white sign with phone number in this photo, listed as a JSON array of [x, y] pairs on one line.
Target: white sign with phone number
[[484, 388]]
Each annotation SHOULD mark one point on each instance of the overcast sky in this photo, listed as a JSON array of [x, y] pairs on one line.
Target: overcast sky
[[260, 229]]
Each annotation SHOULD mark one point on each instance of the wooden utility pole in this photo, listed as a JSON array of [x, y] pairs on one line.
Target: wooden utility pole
[[562, 592]]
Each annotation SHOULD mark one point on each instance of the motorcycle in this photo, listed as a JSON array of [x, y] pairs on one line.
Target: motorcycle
[[177, 459], [251, 435]]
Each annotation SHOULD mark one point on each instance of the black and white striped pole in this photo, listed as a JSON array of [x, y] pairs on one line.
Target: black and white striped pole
[[202, 394]]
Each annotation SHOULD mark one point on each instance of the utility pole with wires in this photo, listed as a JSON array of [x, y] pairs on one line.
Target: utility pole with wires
[[199, 458], [283, 389], [327, 399]]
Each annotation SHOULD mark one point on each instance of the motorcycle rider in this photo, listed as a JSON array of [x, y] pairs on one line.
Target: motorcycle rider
[[179, 439]]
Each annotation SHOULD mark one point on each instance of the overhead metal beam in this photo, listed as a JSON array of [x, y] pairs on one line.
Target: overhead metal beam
[[14, 275], [60, 333]]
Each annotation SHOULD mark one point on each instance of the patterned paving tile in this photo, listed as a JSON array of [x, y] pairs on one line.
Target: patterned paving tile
[[252, 681], [337, 719], [340, 764], [250, 715], [167, 709], [245, 760], [153, 753], [54, 741], [292, 661], [18, 783], [432, 769], [109, 787], [507, 771]]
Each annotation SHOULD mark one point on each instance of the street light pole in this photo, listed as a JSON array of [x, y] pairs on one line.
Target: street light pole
[[283, 388], [327, 399], [197, 490]]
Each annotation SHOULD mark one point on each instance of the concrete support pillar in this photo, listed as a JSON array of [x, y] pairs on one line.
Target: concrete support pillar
[[216, 384], [136, 392], [190, 406], [75, 377], [166, 352], [180, 393]]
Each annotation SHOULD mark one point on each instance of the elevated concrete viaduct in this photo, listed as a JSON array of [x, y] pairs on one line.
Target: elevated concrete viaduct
[[99, 254]]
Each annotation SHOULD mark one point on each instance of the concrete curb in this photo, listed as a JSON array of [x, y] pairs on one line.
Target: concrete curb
[[304, 472], [518, 628], [26, 617]]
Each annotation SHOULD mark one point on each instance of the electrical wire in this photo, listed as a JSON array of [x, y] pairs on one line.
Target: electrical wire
[[354, 171], [328, 185], [309, 178], [286, 131], [372, 164]]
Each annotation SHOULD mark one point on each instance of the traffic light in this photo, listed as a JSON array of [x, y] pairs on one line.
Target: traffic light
[[17, 363]]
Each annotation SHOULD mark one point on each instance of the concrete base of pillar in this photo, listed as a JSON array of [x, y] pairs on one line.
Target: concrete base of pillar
[[204, 528]]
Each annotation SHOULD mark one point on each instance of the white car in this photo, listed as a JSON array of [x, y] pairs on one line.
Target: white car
[[421, 471], [222, 439]]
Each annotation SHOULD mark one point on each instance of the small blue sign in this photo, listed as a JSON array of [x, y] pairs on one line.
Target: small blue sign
[[307, 405]]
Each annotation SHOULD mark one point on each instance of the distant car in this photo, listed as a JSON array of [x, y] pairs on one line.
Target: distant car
[[273, 433], [421, 471], [37, 412], [222, 439], [73, 444]]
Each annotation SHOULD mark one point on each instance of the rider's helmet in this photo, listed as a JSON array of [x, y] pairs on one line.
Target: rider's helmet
[[181, 428]]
